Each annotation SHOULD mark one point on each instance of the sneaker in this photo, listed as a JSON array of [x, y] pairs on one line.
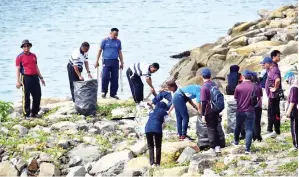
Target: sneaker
[[235, 143], [273, 134], [217, 149], [210, 151], [36, 116], [247, 152], [104, 95], [115, 97], [153, 166]]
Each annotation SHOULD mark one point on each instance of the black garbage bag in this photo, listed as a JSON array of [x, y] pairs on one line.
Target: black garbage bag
[[85, 93], [231, 116], [202, 133]]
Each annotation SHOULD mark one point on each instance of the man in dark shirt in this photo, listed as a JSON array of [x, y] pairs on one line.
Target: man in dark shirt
[[273, 83], [245, 109], [275, 55], [208, 116]]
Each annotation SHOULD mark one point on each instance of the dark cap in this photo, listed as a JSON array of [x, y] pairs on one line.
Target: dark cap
[[267, 60], [246, 73], [206, 72], [26, 41]]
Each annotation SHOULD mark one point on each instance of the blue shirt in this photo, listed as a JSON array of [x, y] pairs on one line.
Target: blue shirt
[[191, 91], [111, 48], [155, 121]]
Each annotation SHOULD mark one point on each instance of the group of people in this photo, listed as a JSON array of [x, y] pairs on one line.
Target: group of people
[[246, 87]]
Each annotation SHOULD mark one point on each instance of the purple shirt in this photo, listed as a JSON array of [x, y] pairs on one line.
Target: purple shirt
[[205, 95], [273, 74], [293, 96], [243, 95]]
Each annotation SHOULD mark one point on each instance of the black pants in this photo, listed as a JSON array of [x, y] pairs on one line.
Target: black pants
[[257, 124], [273, 115], [152, 137], [212, 124], [72, 78], [294, 126], [136, 86], [31, 86]]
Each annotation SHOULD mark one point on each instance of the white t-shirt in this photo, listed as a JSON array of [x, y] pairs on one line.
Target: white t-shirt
[[78, 58]]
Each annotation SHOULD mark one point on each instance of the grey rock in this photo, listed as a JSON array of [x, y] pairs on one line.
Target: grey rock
[[76, 171], [105, 126], [186, 155], [237, 150], [290, 48], [258, 159], [123, 113], [5, 158], [117, 168], [24, 173], [48, 169], [44, 158], [64, 143], [209, 172], [82, 125], [87, 153], [7, 169], [64, 126], [4, 130], [88, 175], [283, 37], [27, 147], [75, 161], [90, 140], [199, 162], [111, 160], [22, 130], [139, 147], [257, 39], [88, 166], [20, 165], [132, 173], [94, 131]]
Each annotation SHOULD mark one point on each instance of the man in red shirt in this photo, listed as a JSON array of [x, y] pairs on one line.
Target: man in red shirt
[[28, 76]]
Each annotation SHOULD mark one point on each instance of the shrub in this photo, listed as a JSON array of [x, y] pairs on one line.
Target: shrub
[[5, 108]]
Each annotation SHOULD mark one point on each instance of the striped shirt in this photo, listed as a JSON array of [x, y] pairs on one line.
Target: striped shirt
[[78, 58], [141, 69]]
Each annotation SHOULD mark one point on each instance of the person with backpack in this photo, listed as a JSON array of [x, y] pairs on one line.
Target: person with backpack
[[153, 132], [179, 100], [212, 101], [292, 110], [258, 108], [247, 96], [233, 79]]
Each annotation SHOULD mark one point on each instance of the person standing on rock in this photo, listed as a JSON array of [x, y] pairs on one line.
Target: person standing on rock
[[153, 131], [75, 66], [180, 97], [209, 113], [29, 76], [111, 48], [273, 87], [247, 95], [134, 74], [292, 111]]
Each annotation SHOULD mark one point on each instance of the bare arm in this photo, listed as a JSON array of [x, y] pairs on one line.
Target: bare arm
[[77, 70], [170, 109], [277, 83], [98, 57], [121, 59], [18, 74], [149, 82], [38, 72], [290, 109], [86, 66]]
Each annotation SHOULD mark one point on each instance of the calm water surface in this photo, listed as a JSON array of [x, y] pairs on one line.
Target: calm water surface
[[150, 31]]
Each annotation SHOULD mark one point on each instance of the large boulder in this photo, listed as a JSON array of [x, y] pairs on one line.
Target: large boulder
[[111, 160], [88, 153], [172, 150], [216, 61], [290, 48], [7, 169], [202, 53], [290, 59], [139, 147], [137, 163], [76, 171], [123, 113], [48, 169], [64, 126], [242, 27], [251, 63], [199, 162], [186, 155], [257, 39], [174, 172], [21, 129], [241, 41]]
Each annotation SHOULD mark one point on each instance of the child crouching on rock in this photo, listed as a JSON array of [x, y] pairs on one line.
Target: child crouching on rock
[[153, 131]]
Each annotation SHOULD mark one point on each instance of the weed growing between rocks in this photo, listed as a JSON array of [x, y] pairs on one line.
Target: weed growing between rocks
[[5, 109], [218, 167], [289, 167], [285, 127], [105, 110]]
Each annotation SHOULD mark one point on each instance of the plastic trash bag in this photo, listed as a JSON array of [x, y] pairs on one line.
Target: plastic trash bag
[[202, 133], [231, 116], [85, 93]]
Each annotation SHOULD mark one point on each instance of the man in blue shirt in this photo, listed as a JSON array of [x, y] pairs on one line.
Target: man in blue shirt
[[111, 47]]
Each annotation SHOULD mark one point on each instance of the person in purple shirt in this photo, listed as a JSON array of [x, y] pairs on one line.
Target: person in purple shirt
[[111, 48], [244, 94], [208, 116], [292, 111], [275, 55], [273, 83]]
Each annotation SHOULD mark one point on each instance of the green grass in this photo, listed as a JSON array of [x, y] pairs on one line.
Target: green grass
[[273, 146], [51, 111], [218, 167], [293, 153], [288, 167], [245, 158], [285, 127], [169, 127], [105, 109], [263, 165], [5, 109]]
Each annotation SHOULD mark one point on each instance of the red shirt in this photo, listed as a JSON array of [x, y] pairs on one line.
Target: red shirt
[[27, 63]]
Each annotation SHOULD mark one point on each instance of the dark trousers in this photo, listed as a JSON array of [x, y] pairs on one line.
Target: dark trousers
[[212, 124], [273, 115], [110, 74], [31, 86], [248, 118], [257, 124], [181, 112], [136, 86], [72, 78], [152, 137], [294, 126]]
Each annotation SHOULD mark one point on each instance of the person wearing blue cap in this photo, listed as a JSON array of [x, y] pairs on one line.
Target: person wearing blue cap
[[275, 93], [247, 98], [153, 131], [210, 115]]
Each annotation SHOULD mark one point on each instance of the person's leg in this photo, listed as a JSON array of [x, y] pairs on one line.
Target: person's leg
[[249, 124], [138, 88], [177, 102], [257, 123], [185, 117], [26, 95], [150, 144], [277, 116], [270, 115], [114, 79], [70, 74], [106, 73], [129, 73], [213, 135], [239, 122], [296, 129], [36, 95], [158, 142]]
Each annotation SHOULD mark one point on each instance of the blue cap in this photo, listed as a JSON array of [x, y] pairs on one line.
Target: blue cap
[[267, 60], [206, 72], [254, 74], [246, 73]]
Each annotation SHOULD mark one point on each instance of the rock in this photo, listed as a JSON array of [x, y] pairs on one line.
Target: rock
[[105, 126], [138, 172], [290, 59], [215, 63], [110, 160], [22, 130], [242, 41], [88, 166], [87, 153], [48, 169], [186, 155], [82, 125], [64, 126], [137, 163], [263, 13], [44, 158], [24, 173], [229, 172], [7, 169], [33, 165], [257, 39], [283, 37], [139, 148], [201, 53], [290, 48], [198, 160], [90, 140], [175, 172], [75, 161], [116, 169], [258, 159], [242, 27], [208, 173], [172, 150], [132, 135], [27, 147], [94, 131], [263, 24], [4, 130], [63, 143], [123, 113], [276, 14], [20, 165], [76, 171], [181, 55]]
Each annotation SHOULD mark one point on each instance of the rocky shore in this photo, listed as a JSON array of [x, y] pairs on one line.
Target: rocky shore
[[62, 143]]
